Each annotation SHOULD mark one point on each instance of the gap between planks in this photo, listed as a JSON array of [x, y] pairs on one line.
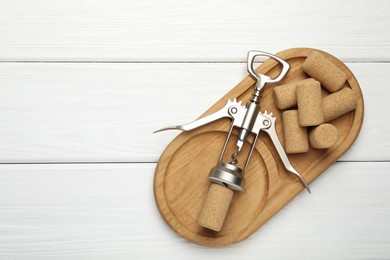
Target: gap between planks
[[122, 162], [175, 61]]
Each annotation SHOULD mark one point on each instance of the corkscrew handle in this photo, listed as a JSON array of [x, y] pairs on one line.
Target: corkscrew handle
[[262, 79]]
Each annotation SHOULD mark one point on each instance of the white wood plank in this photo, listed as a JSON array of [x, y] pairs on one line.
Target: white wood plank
[[98, 30], [106, 211], [107, 112]]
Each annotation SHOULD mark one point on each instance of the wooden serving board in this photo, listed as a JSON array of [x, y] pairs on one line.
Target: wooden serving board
[[181, 178]]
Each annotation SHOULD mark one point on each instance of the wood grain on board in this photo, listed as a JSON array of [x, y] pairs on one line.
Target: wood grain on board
[[181, 182]]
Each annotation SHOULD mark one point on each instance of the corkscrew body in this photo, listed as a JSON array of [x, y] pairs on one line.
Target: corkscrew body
[[248, 120]]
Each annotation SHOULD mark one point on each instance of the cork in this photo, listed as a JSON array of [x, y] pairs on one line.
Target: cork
[[295, 136], [320, 68], [215, 207], [323, 136], [310, 104], [338, 104], [285, 96]]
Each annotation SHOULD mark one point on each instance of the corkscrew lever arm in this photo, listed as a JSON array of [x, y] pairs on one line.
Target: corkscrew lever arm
[[282, 154], [223, 112]]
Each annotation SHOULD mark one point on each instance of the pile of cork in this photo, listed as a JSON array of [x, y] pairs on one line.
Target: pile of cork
[[308, 124]]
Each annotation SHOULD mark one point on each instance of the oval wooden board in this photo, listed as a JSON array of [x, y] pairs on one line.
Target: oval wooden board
[[181, 178]]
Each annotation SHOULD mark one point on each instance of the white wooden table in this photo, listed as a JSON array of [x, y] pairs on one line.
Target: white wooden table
[[84, 83]]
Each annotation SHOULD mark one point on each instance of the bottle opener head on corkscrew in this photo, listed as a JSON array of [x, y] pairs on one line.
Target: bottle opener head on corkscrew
[[248, 120]]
